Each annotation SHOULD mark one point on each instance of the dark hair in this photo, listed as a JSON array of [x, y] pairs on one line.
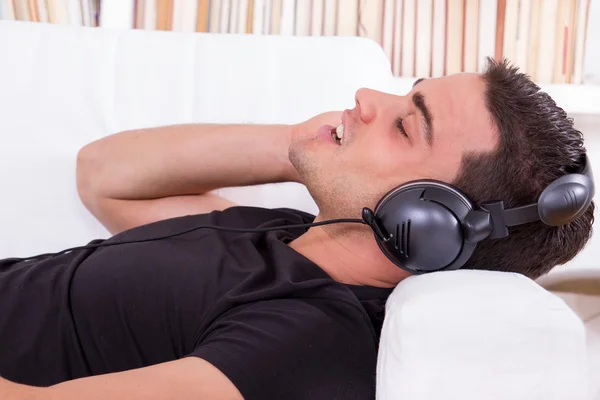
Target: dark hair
[[537, 143]]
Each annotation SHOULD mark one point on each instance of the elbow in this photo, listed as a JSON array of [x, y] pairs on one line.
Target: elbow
[[88, 174]]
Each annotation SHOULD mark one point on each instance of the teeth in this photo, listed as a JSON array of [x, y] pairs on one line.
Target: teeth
[[338, 134], [339, 131]]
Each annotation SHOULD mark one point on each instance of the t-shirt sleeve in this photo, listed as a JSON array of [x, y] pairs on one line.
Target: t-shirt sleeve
[[294, 349]]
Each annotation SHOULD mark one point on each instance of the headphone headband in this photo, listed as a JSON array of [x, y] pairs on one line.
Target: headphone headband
[[561, 202]]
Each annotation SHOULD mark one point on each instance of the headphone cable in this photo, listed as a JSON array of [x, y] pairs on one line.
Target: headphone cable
[[218, 228]]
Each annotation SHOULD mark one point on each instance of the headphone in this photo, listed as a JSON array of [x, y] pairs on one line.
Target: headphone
[[427, 226]]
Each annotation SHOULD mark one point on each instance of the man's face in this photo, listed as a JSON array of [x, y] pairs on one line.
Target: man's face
[[389, 140]]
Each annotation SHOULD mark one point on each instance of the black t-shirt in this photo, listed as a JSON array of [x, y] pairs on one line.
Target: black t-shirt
[[271, 320]]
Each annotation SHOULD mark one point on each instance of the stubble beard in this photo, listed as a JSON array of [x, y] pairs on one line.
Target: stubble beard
[[334, 193]]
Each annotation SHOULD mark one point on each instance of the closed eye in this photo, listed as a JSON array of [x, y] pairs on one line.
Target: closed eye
[[401, 127]]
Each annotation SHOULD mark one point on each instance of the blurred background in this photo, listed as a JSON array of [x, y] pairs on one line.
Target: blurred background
[[551, 40]]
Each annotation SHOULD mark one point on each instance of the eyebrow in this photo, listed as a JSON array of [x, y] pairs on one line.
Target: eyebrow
[[419, 102], [415, 83]]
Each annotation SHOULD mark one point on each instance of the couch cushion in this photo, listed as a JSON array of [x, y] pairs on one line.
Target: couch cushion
[[480, 335]]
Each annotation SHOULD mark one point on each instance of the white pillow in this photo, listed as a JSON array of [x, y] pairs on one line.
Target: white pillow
[[479, 335]]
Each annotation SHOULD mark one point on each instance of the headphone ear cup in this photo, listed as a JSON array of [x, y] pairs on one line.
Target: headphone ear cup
[[423, 220]]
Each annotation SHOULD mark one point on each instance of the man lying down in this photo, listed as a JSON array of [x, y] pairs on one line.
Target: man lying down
[[293, 313]]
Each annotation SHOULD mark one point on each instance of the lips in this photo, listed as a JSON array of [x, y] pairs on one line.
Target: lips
[[324, 133]]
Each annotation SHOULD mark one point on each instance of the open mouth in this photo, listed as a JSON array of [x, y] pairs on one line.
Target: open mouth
[[338, 134]]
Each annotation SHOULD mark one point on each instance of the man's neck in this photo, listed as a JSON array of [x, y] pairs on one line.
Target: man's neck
[[350, 258]]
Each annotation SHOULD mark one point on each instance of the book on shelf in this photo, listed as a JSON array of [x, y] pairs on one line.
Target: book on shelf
[[547, 39]]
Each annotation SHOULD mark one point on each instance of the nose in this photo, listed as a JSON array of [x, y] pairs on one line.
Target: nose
[[370, 103]]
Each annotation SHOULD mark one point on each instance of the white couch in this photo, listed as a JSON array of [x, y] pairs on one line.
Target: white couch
[[455, 335]]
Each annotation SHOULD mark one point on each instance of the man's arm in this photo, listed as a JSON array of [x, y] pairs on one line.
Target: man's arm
[[13, 391], [141, 176], [188, 378]]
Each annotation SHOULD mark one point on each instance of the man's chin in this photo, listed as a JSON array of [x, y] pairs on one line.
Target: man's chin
[[301, 154]]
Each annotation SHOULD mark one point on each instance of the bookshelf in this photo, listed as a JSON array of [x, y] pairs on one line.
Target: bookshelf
[[551, 40]]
